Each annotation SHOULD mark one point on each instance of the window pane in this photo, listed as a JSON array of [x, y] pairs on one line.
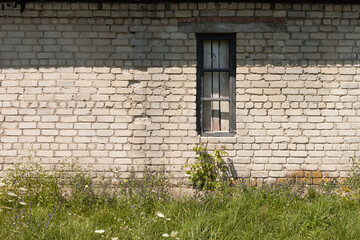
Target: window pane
[[207, 54], [207, 84], [216, 85], [225, 115], [224, 85], [207, 116], [224, 54], [216, 113], [216, 105], [215, 116], [215, 54]]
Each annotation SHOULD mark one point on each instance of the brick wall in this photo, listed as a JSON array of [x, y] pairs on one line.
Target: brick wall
[[114, 85]]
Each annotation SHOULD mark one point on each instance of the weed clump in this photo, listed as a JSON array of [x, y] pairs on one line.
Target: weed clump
[[353, 179], [209, 170], [65, 202], [35, 197]]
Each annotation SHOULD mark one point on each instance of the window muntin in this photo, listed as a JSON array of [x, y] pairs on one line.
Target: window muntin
[[216, 84]]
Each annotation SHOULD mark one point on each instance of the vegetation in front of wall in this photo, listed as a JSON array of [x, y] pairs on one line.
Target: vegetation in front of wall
[[353, 180], [64, 203], [209, 170]]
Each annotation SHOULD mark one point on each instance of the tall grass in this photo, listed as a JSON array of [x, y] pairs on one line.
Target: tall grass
[[65, 203]]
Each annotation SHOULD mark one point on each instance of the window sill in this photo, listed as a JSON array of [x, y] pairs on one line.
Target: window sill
[[217, 134]]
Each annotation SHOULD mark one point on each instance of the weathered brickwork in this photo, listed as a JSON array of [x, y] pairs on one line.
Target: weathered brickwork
[[116, 86]]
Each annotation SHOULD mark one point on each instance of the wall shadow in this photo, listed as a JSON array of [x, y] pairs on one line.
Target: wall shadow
[[40, 37]]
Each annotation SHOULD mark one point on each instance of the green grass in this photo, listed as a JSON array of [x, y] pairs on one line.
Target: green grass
[[243, 213], [38, 203]]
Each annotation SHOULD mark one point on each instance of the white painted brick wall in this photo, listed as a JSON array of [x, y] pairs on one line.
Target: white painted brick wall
[[115, 87]]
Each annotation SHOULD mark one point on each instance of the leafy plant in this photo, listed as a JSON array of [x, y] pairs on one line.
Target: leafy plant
[[353, 179], [209, 170]]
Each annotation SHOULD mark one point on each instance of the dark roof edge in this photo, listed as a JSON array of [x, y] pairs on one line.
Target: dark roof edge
[[23, 2], [156, 1]]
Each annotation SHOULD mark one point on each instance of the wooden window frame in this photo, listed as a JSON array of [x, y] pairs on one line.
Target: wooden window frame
[[201, 37]]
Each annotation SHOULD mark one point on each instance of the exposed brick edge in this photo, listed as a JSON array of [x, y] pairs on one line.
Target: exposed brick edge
[[232, 19], [310, 177]]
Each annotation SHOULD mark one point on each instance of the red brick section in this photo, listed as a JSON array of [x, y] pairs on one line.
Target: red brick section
[[309, 177], [232, 20]]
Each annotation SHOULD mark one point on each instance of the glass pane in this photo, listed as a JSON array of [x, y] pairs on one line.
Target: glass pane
[[215, 126], [216, 116], [216, 85], [207, 54], [215, 54], [224, 54], [224, 85], [207, 85], [225, 115], [207, 116]]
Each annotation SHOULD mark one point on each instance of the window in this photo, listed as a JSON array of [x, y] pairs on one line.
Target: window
[[216, 84]]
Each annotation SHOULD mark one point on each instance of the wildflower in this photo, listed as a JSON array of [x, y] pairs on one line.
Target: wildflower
[[99, 231], [12, 194], [159, 214], [5, 207], [173, 234], [115, 238], [22, 189], [22, 203], [2, 184], [165, 235]]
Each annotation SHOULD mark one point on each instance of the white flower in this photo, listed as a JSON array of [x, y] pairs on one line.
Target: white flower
[[22, 189], [2, 184], [5, 207], [115, 238], [187, 175], [12, 194], [159, 214], [22, 203], [99, 231], [173, 234], [168, 219], [165, 235]]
